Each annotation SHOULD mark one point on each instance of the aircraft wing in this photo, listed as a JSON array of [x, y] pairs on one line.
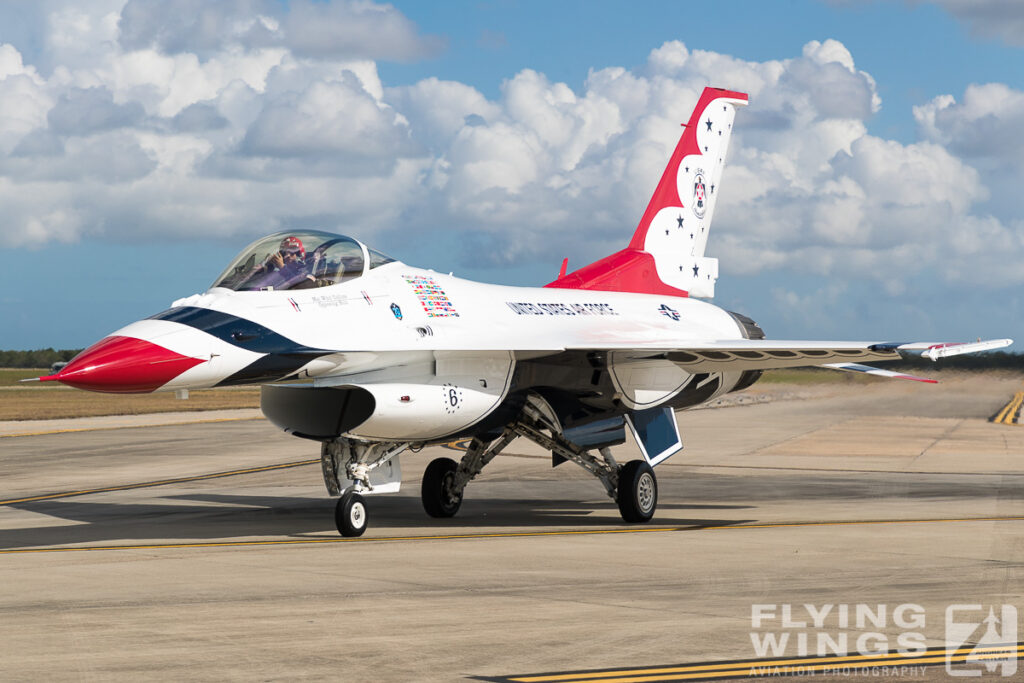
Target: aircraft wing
[[764, 354]]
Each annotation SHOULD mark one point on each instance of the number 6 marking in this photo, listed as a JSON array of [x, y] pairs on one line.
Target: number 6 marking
[[452, 397]]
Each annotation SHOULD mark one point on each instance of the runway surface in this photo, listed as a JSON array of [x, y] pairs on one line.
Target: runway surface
[[207, 551]]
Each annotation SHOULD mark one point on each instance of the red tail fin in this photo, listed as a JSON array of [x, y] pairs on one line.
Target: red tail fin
[[666, 254]]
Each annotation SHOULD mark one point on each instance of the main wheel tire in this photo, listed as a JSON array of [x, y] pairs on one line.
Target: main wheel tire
[[350, 515], [638, 492], [435, 490]]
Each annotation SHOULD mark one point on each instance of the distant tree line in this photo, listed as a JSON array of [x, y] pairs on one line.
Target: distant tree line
[[37, 358]]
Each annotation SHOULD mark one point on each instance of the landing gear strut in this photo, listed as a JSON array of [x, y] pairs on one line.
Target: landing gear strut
[[633, 485], [444, 480], [348, 467], [352, 468]]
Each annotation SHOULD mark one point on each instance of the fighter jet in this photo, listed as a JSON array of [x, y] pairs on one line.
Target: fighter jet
[[373, 358]]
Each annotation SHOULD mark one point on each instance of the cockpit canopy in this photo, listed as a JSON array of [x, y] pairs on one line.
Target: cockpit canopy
[[298, 260]]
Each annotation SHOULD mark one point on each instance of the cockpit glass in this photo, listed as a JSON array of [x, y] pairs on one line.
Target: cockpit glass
[[294, 260]]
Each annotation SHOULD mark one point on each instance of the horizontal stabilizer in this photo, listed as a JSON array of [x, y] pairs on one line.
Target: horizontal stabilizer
[[868, 370]]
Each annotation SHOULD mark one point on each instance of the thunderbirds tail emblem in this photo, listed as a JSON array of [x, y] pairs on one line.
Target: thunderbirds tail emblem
[[699, 195]]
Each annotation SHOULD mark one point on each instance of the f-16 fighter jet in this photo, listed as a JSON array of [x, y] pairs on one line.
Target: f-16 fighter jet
[[373, 358]]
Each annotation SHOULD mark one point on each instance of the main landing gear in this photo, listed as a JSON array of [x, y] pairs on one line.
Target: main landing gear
[[638, 491], [438, 488], [633, 485]]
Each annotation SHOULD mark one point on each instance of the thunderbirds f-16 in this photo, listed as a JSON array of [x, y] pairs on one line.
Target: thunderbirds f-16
[[372, 357]]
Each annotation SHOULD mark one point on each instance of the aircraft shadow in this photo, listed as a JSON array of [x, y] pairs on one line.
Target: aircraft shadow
[[225, 517]]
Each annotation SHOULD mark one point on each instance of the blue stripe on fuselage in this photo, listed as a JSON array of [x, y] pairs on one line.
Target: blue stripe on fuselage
[[283, 358]]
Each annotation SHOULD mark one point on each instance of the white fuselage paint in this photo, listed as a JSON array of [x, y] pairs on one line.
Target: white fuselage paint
[[356, 320], [412, 337]]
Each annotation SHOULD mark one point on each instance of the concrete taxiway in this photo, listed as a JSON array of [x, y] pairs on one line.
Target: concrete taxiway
[[206, 550]]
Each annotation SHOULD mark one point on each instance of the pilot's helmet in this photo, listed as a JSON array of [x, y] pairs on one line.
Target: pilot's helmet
[[293, 245]]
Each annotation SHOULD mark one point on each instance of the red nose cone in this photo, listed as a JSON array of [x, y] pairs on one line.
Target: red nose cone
[[123, 365]]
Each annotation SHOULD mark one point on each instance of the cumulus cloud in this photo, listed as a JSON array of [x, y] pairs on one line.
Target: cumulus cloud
[[198, 117], [174, 26], [83, 111], [983, 128], [557, 164], [113, 158], [355, 29], [24, 98], [984, 124], [441, 109], [181, 118], [337, 119], [1002, 19], [344, 29]]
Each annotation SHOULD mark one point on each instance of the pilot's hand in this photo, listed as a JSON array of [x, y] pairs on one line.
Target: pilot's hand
[[276, 260]]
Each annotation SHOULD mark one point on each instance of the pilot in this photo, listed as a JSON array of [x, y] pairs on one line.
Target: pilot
[[286, 267], [291, 253]]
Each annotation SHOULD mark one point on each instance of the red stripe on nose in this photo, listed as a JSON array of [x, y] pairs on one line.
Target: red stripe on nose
[[123, 365]]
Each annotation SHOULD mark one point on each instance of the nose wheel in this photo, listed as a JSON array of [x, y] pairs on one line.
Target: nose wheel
[[350, 515]]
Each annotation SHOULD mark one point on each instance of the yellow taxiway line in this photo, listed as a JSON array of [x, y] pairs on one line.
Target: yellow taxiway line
[[159, 482], [1010, 414], [163, 482], [99, 428], [758, 668], [469, 536], [331, 540]]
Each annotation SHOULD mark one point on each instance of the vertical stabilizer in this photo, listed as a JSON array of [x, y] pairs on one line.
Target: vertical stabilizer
[[674, 229], [666, 254]]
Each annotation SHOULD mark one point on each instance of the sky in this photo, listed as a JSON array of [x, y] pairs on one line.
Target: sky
[[872, 189]]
